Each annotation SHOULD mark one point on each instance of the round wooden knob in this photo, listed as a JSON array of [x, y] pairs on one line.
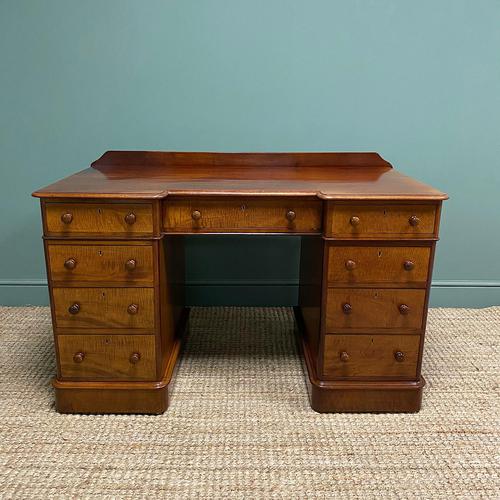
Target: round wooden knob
[[290, 215], [196, 215], [350, 265], [399, 356], [67, 218], [135, 357], [70, 263], [74, 308], [354, 221], [131, 264], [78, 357], [404, 309], [408, 265], [414, 221], [344, 357], [133, 309], [347, 308], [130, 218]]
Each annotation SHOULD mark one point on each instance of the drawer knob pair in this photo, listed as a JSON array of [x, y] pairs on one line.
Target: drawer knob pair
[[74, 308], [413, 221], [290, 215], [408, 265], [135, 357], [399, 356], [403, 308], [67, 218], [70, 264]]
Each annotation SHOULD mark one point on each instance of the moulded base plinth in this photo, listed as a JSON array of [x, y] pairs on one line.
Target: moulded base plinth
[[362, 396], [116, 397]]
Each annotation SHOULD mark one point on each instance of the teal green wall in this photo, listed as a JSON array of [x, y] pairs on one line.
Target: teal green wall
[[418, 82]]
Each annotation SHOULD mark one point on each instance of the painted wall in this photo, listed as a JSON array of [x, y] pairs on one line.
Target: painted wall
[[418, 82]]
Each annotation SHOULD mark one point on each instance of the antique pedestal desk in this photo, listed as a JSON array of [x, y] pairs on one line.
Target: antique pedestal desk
[[114, 236]]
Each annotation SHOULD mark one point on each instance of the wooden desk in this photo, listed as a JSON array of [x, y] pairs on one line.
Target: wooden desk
[[113, 236]]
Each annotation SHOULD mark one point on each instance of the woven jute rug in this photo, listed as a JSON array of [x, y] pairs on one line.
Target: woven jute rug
[[240, 425]]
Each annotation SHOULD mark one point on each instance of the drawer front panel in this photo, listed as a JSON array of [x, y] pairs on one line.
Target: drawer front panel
[[84, 263], [103, 307], [378, 265], [374, 308], [371, 356], [107, 357], [382, 221], [99, 218], [242, 215]]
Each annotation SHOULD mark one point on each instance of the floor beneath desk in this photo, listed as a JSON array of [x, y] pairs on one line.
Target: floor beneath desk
[[239, 423]]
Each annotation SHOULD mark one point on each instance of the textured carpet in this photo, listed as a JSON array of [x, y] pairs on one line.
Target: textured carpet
[[240, 426]]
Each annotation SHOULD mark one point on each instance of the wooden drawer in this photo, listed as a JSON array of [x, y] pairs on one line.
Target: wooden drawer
[[394, 356], [99, 218], [86, 262], [103, 307], [378, 265], [382, 308], [107, 357], [236, 214], [382, 221]]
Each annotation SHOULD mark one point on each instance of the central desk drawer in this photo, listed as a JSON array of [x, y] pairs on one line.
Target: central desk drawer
[[237, 214], [385, 308], [104, 307], [394, 356], [107, 357], [378, 265], [85, 263]]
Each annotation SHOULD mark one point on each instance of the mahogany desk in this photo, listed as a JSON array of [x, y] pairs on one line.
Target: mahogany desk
[[113, 237]]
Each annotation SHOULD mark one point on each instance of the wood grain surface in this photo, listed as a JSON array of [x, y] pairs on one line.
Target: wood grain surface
[[380, 221], [99, 218], [374, 308], [104, 307], [371, 356], [230, 214], [123, 264], [107, 357], [378, 265], [152, 175]]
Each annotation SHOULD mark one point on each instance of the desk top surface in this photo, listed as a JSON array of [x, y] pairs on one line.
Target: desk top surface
[[154, 174]]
